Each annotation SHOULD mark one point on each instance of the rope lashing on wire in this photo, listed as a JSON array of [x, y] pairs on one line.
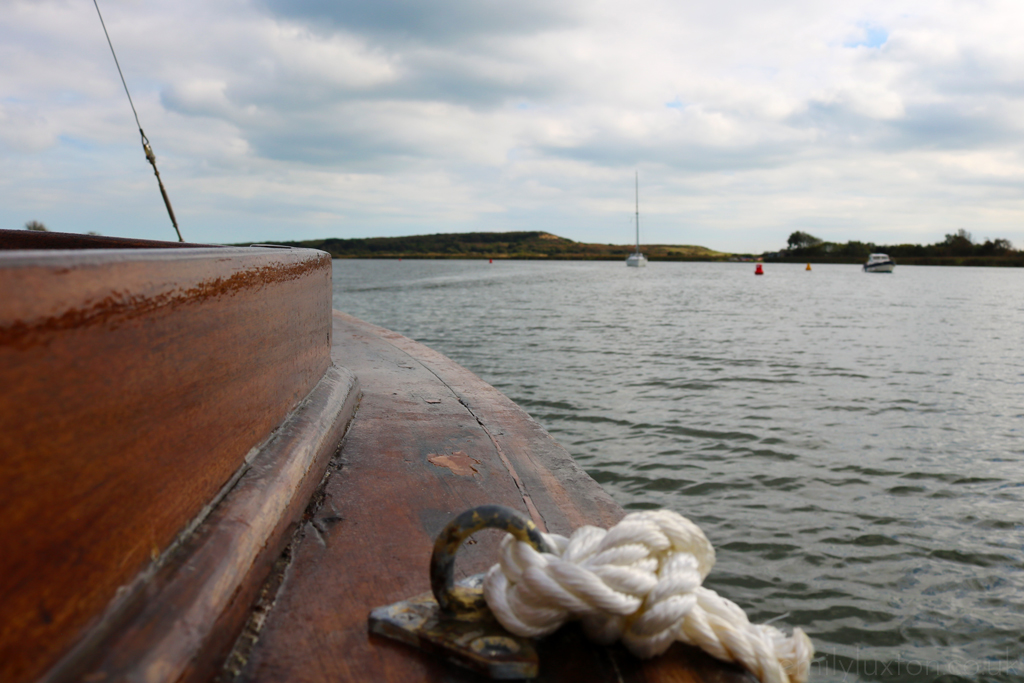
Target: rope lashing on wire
[[146, 147], [640, 582]]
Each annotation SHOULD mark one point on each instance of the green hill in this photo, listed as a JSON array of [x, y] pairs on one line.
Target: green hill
[[502, 245]]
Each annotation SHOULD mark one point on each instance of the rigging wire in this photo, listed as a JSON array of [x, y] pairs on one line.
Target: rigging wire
[[145, 141]]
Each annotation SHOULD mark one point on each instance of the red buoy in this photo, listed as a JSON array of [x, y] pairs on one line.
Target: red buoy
[[490, 260], [758, 270]]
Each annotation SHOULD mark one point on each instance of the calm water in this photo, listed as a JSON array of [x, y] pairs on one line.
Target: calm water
[[851, 443]]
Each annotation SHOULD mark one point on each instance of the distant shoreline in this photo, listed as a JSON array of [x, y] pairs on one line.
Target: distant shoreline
[[957, 249], [1015, 261], [976, 262], [501, 245], [543, 246], [523, 257]]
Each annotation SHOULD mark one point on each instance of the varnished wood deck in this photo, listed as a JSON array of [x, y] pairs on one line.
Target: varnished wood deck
[[388, 495]]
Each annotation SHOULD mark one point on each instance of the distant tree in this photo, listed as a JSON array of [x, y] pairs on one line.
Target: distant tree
[[36, 226], [854, 250], [907, 250], [959, 243], [961, 238], [997, 246], [802, 240]]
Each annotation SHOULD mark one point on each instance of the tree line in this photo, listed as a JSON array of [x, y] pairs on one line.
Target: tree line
[[959, 248]]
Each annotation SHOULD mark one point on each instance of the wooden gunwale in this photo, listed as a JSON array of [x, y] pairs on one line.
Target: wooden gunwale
[[180, 624], [31, 239], [136, 381]]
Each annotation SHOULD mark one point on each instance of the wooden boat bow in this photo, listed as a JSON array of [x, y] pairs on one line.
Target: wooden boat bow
[[184, 502]]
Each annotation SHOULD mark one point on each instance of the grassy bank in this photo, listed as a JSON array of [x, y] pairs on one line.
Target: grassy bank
[[500, 245]]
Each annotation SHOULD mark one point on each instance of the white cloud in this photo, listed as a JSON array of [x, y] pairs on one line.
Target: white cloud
[[278, 119]]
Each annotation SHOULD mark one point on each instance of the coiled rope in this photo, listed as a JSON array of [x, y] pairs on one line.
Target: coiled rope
[[640, 582]]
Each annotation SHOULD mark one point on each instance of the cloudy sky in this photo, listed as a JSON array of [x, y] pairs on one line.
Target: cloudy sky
[[885, 121]]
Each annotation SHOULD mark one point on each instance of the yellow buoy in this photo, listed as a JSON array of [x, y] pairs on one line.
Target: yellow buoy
[[808, 266]]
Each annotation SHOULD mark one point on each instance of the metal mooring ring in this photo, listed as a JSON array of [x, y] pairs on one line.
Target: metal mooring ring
[[468, 603]]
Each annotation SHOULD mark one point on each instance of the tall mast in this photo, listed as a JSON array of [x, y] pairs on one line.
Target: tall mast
[[637, 211]]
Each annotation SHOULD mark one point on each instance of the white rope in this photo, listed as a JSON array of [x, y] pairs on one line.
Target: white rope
[[639, 581]]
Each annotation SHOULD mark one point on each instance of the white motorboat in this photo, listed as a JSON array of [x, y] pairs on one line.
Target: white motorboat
[[879, 263], [636, 259]]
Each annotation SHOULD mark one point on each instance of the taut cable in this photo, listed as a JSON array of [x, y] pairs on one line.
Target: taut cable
[[145, 141]]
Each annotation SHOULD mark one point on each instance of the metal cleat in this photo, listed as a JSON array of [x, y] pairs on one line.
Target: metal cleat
[[454, 620]]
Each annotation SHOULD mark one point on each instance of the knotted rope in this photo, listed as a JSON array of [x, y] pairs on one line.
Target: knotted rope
[[639, 581]]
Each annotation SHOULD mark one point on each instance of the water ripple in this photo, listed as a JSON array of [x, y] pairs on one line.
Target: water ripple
[[850, 443]]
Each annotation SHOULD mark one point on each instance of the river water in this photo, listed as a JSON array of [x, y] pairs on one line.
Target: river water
[[852, 444]]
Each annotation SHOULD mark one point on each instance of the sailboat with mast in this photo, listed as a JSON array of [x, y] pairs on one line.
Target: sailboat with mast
[[636, 259]]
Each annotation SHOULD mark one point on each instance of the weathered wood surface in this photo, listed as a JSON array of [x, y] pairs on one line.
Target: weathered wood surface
[[134, 384], [186, 617], [389, 495]]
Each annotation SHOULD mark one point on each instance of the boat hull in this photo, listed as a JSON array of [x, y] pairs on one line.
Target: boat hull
[[879, 268], [636, 261]]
